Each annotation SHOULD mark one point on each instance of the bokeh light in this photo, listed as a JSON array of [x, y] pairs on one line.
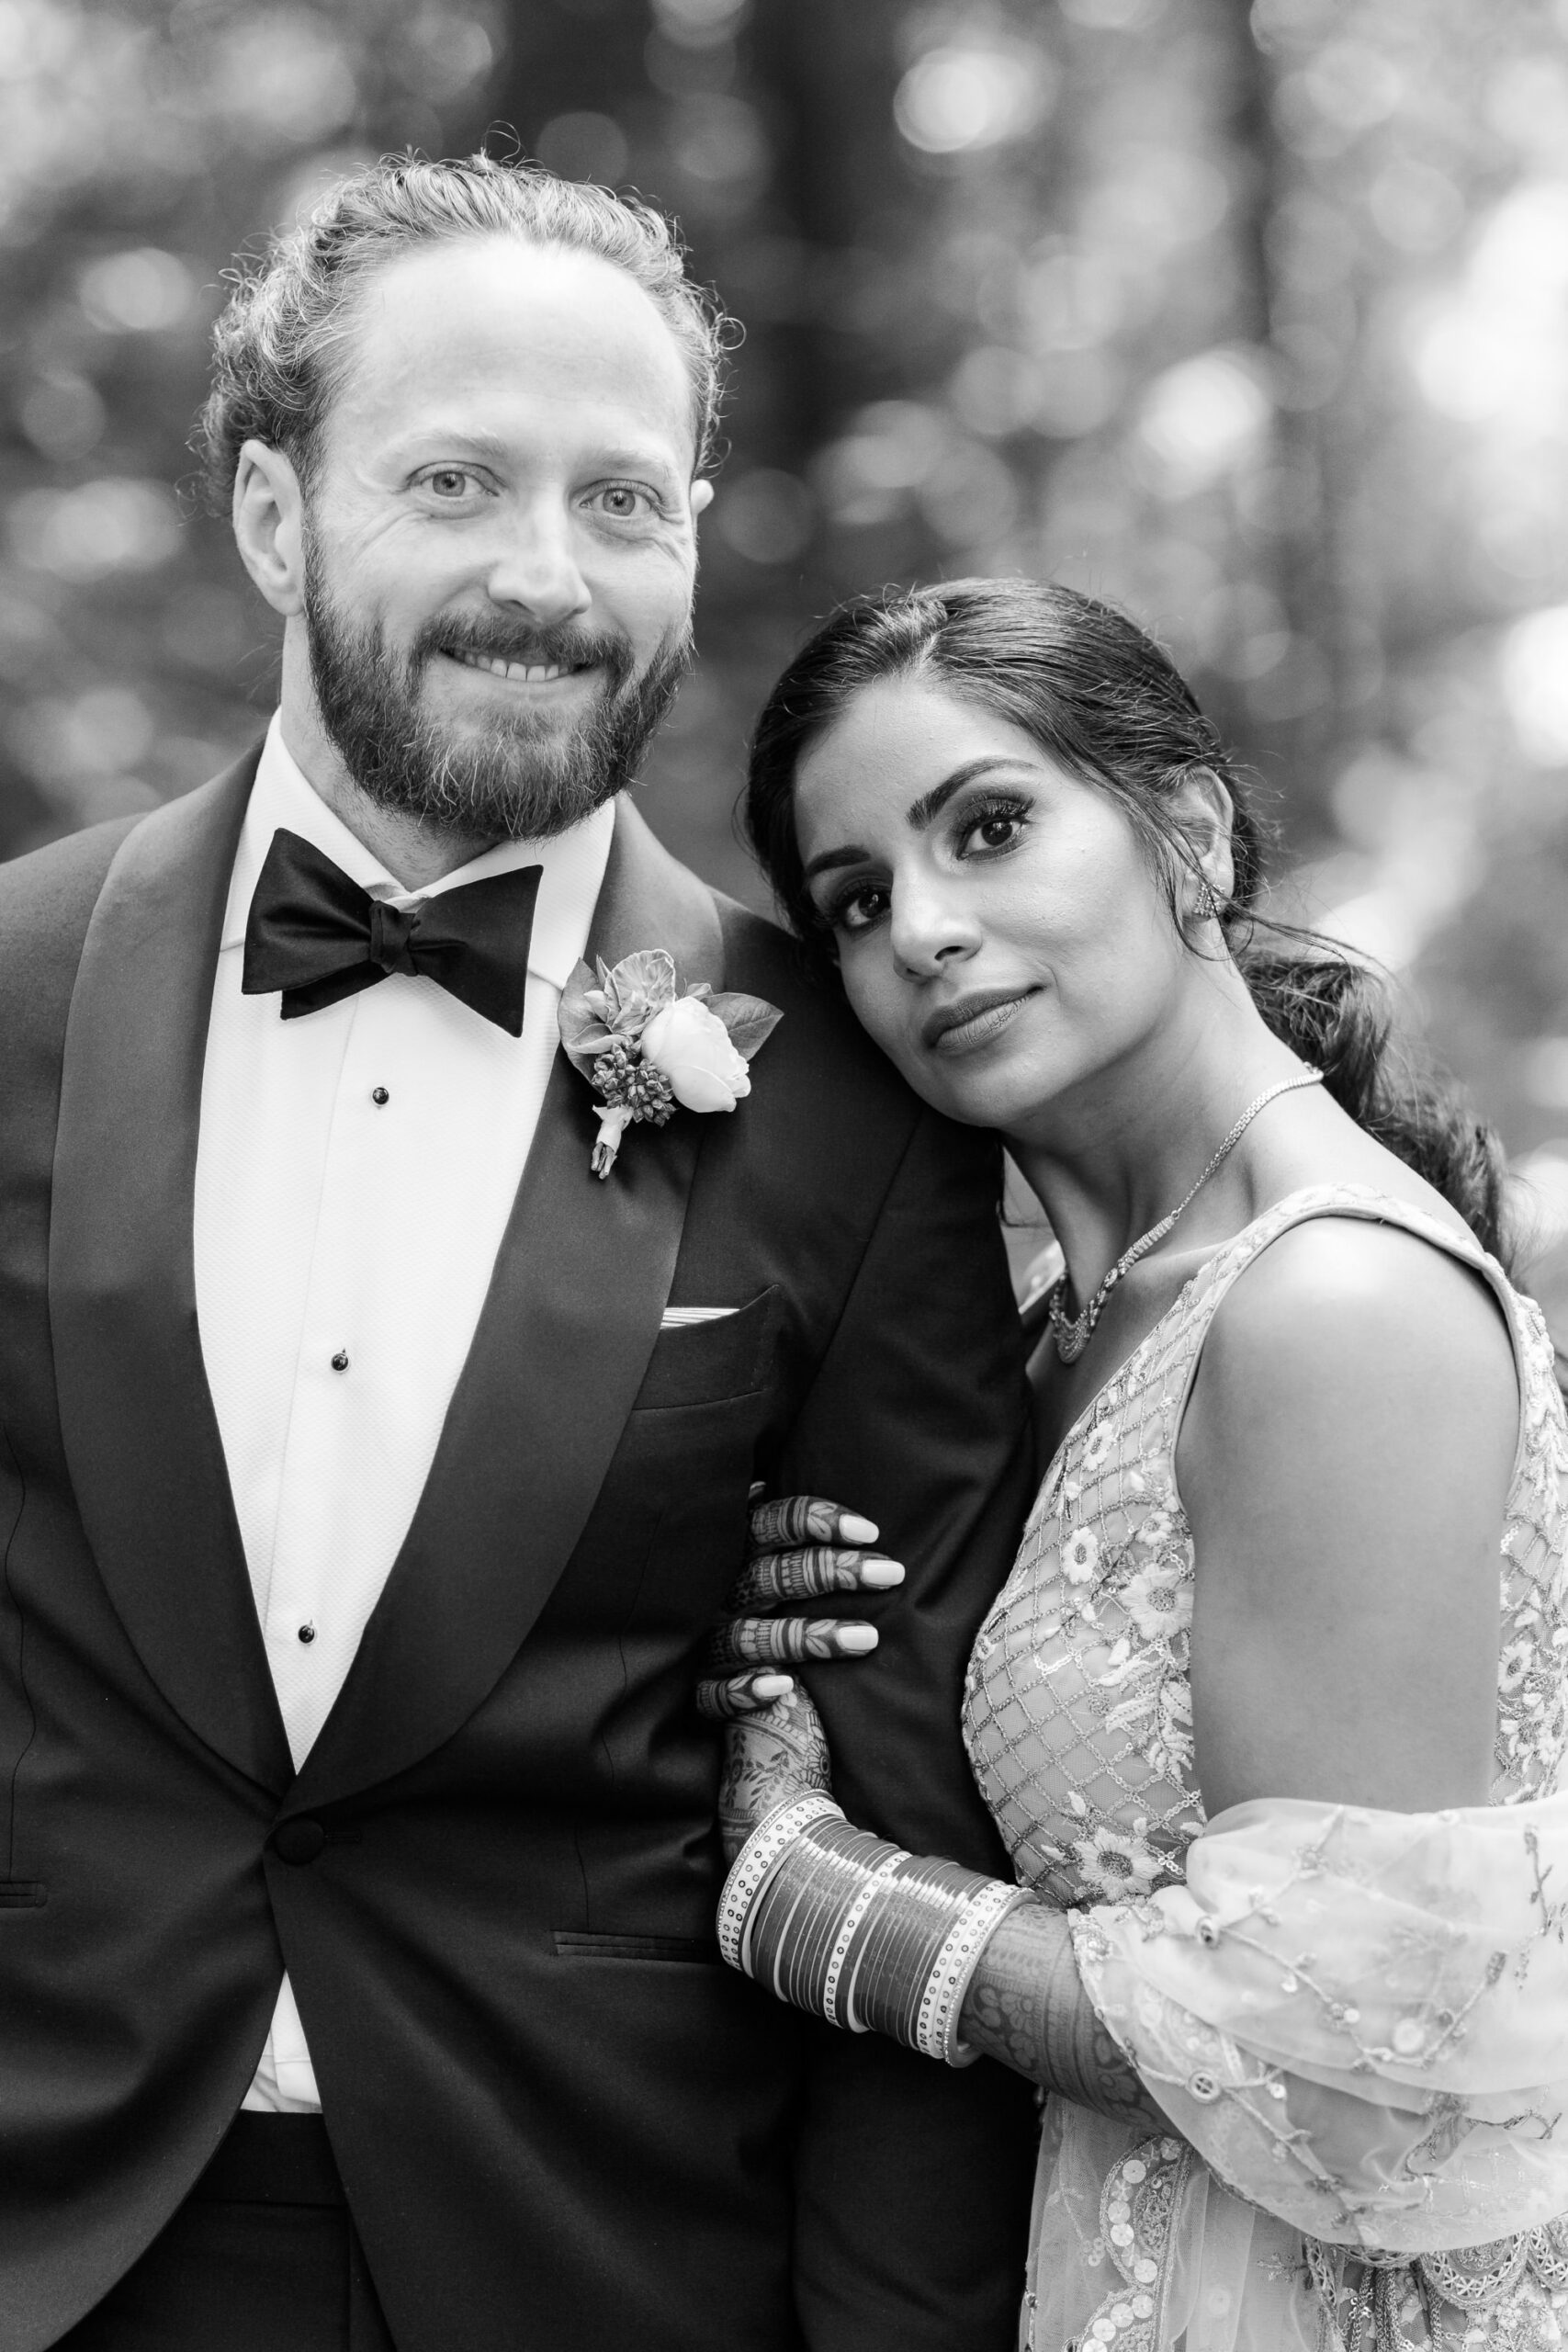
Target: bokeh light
[[957, 97]]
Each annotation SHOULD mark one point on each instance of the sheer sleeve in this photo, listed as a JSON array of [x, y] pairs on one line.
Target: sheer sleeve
[[1359, 2019]]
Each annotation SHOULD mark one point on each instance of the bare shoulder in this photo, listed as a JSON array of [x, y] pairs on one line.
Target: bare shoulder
[[1346, 1307], [1344, 1462]]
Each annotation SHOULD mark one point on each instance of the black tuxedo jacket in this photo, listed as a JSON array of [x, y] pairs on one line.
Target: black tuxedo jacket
[[561, 2123]]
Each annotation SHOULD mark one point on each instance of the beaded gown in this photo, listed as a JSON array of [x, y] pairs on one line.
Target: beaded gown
[[1077, 1720]]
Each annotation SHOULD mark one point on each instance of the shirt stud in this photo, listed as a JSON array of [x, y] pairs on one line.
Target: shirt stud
[[340, 1361], [379, 1095], [306, 1632]]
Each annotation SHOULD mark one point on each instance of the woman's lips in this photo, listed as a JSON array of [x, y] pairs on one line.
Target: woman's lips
[[972, 1021]]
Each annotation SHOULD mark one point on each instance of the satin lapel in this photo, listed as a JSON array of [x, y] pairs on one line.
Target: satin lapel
[[568, 1325], [140, 1435]]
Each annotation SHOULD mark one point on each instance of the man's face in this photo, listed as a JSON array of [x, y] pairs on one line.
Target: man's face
[[500, 541]]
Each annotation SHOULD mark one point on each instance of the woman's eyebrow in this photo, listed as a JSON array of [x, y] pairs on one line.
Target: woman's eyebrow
[[919, 812], [932, 804], [832, 858]]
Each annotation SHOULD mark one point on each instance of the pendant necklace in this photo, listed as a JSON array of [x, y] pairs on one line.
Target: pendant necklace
[[1072, 1333]]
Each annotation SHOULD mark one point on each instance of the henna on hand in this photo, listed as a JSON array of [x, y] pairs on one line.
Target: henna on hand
[[769, 1759], [800, 1575], [785, 1641], [792, 1519], [1027, 2006], [735, 1698], [833, 1561]]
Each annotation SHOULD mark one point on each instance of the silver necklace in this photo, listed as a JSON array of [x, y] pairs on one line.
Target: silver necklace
[[1072, 1333]]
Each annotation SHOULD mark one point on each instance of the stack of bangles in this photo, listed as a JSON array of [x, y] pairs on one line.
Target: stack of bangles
[[857, 1931]]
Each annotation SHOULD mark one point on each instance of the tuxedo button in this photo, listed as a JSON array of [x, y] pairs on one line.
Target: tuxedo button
[[340, 1361], [378, 1095], [299, 1841]]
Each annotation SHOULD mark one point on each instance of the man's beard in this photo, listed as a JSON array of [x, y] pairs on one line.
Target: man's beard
[[519, 776]]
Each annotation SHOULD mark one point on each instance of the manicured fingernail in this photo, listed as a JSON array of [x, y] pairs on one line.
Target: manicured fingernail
[[879, 1574], [773, 1686], [855, 1640], [853, 1529]]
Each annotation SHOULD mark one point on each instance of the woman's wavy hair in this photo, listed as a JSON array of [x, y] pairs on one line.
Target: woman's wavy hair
[[1102, 700]]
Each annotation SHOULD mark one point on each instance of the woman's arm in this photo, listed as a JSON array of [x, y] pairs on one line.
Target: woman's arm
[[1026, 2006], [1344, 1464]]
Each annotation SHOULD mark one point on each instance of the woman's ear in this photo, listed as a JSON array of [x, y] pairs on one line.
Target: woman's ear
[[1203, 812]]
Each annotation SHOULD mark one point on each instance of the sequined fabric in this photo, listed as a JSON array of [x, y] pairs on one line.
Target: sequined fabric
[[1077, 1714]]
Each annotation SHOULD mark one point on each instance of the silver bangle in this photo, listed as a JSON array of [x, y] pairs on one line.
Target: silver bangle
[[874, 1883], [756, 1861], [942, 2003]]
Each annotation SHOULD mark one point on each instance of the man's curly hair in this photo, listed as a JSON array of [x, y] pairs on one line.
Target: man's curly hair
[[280, 343]]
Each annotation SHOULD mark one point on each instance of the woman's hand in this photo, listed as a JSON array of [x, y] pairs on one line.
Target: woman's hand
[[802, 1548], [776, 1754]]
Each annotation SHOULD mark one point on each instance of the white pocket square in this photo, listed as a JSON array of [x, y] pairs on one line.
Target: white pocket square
[[674, 1318]]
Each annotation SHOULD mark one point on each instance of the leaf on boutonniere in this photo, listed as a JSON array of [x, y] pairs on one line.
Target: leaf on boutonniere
[[750, 1020], [584, 1032]]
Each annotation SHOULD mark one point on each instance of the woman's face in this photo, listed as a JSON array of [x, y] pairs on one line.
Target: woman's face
[[999, 930]]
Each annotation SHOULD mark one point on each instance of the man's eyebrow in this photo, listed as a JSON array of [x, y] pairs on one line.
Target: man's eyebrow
[[626, 461], [458, 439]]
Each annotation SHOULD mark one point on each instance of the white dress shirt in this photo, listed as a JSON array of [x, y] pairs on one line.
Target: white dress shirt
[[355, 1174]]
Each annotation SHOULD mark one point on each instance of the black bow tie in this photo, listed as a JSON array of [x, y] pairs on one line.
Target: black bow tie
[[319, 937]]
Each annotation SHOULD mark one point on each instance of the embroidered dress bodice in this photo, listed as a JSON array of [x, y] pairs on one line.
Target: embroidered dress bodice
[[1077, 1722], [1077, 1711]]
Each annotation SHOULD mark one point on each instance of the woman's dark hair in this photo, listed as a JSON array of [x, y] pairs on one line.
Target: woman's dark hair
[[1102, 700]]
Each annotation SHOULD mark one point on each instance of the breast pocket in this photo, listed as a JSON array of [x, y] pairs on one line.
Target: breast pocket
[[707, 1362]]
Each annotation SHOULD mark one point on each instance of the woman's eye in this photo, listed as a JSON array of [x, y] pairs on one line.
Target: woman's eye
[[858, 908], [998, 830]]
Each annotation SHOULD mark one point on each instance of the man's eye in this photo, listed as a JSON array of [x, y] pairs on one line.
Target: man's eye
[[449, 482], [625, 502]]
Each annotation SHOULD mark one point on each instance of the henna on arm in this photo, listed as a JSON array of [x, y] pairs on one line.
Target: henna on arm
[[1027, 2006]]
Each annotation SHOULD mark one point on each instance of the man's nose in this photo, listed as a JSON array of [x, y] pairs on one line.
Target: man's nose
[[931, 930], [536, 570]]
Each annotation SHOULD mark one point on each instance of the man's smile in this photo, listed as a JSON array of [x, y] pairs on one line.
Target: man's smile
[[522, 673]]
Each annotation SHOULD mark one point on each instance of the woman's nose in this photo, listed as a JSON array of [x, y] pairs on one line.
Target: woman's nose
[[930, 930]]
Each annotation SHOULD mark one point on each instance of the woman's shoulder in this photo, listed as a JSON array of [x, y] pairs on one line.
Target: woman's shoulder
[[1343, 1300]]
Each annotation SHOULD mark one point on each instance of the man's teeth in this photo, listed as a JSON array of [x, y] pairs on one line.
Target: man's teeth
[[522, 674]]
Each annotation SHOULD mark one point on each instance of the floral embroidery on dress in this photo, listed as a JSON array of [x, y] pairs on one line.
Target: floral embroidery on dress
[[1077, 1705]]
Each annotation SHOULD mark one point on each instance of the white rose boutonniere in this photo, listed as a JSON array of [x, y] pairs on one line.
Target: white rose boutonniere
[[691, 1047], [648, 1048]]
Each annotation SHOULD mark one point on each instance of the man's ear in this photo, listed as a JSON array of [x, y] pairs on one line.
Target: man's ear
[[702, 497], [269, 526], [1204, 811]]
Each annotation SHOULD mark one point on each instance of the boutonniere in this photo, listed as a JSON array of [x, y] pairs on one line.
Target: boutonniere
[[648, 1047]]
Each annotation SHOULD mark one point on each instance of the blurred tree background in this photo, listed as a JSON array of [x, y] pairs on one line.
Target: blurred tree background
[[1255, 319]]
